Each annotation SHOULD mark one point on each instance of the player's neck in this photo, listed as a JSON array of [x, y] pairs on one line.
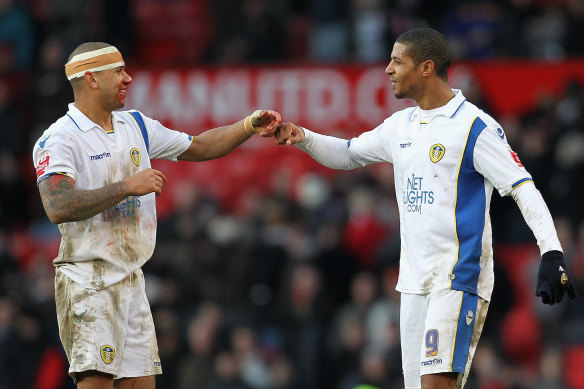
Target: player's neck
[[436, 96], [96, 114]]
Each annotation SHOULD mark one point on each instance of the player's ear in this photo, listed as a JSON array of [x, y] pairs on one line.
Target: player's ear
[[90, 80], [426, 68]]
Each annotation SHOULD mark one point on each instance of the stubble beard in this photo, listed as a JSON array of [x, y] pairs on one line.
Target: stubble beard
[[399, 95]]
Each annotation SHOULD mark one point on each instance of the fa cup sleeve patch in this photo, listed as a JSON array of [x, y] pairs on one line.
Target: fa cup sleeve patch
[[43, 163], [515, 158]]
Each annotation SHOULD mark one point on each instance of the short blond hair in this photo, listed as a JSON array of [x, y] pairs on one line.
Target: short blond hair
[[86, 47], [81, 49]]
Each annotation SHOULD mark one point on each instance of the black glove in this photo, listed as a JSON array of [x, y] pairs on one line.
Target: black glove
[[553, 279]]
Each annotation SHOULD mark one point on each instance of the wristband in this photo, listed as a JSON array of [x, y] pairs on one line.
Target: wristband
[[248, 126]]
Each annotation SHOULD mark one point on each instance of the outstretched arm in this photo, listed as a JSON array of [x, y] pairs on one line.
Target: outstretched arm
[[221, 141], [63, 203], [327, 150]]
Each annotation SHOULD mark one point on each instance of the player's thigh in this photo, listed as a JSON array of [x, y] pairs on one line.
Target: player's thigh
[[412, 326], [140, 357], [148, 382], [93, 379], [453, 326], [90, 332]]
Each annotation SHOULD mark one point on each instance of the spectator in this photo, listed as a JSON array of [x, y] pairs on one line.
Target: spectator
[[550, 369], [194, 368], [329, 35], [225, 374], [253, 369], [347, 331], [370, 29], [17, 37], [301, 319], [373, 371], [472, 29]]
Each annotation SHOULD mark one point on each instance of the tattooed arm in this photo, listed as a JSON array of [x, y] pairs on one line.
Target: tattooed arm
[[63, 203]]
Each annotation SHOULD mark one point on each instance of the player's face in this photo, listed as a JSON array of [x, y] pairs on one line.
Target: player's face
[[403, 73], [114, 85]]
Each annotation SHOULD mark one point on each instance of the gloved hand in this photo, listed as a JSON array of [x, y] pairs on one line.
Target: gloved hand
[[553, 279]]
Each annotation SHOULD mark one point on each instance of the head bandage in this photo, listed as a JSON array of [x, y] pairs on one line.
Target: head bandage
[[93, 61]]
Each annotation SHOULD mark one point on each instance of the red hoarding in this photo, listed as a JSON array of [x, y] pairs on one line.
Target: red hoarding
[[340, 100]]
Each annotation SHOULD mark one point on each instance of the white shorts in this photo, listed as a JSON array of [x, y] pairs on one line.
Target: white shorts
[[439, 333], [109, 330]]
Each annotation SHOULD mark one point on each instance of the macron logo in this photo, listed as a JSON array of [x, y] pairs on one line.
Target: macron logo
[[100, 156]]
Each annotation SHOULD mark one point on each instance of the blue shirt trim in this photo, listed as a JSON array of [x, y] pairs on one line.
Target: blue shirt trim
[[138, 118], [75, 122], [469, 215], [522, 181], [457, 109], [44, 177]]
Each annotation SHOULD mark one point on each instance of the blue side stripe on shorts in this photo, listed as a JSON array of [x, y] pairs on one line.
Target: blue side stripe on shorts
[[464, 332]]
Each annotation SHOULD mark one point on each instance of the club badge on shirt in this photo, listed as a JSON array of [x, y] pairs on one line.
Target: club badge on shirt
[[135, 155], [437, 152]]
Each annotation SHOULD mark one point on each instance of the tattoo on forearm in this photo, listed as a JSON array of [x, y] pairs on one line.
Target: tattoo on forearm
[[63, 203]]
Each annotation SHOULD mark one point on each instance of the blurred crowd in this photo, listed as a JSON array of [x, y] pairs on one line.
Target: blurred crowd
[[250, 31], [291, 292]]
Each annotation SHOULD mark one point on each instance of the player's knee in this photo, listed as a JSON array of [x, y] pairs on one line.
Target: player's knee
[[439, 381], [147, 382], [93, 379]]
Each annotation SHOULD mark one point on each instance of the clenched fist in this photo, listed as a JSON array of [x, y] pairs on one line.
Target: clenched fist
[[146, 181], [289, 134]]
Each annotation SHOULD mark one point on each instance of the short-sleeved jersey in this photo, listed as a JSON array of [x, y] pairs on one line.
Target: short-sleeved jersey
[[446, 163], [104, 249]]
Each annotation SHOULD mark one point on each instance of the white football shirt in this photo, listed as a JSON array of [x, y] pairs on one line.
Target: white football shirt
[[104, 249], [446, 163]]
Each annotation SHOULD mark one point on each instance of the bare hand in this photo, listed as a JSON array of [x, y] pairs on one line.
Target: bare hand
[[146, 181], [289, 134], [266, 122]]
